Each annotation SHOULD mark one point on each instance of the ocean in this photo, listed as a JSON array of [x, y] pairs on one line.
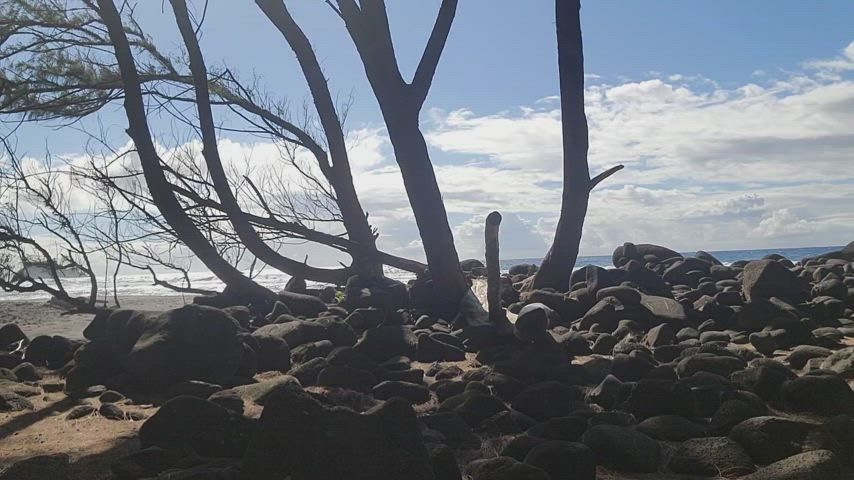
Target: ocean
[[141, 284]]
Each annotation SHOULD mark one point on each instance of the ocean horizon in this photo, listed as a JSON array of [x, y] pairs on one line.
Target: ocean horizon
[[142, 285]]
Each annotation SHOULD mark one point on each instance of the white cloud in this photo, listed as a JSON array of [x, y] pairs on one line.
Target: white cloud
[[511, 140], [664, 132], [516, 235], [783, 222], [765, 163], [706, 166], [744, 203], [365, 148], [650, 94], [843, 62]]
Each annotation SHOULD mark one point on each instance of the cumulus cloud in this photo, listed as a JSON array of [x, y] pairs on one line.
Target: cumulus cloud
[[663, 131], [517, 235], [512, 139], [744, 203], [765, 163], [842, 62], [713, 167], [783, 222]]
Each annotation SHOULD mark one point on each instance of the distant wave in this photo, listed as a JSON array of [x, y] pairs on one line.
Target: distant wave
[[141, 284]]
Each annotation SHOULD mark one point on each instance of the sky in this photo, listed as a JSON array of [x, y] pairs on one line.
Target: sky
[[734, 120]]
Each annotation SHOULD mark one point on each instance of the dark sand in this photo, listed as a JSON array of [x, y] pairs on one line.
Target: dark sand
[[43, 318]]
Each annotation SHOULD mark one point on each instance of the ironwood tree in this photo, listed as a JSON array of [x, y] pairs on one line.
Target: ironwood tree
[[64, 62], [558, 263], [400, 102]]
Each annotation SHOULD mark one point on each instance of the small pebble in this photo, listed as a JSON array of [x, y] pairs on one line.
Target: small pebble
[[135, 416], [111, 411], [53, 387], [111, 396], [93, 391], [80, 411]]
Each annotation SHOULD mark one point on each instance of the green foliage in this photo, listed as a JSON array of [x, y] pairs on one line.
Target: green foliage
[[57, 62]]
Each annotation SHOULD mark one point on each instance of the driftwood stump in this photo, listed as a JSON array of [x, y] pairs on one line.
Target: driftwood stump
[[493, 269]]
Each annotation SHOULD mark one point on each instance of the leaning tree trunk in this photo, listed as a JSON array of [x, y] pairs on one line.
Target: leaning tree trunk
[[210, 151], [424, 196], [401, 103], [560, 260], [155, 178], [336, 165]]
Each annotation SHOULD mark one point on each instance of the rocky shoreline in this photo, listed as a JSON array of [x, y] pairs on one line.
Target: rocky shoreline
[[660, 367]]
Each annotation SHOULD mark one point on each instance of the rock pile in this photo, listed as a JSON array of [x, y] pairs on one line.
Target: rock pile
[[664, 363]]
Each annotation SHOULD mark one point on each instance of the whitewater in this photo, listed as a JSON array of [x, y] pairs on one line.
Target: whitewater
[[142, 284]]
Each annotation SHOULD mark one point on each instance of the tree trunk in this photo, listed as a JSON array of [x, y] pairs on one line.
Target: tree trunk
[[560, 260], [493, 268], [158, 185], [367, 263], [210, 151], [336, 165], [401, 103], [419, 179]]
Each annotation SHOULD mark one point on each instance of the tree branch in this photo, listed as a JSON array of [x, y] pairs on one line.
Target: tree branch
[[210, 152], [433, 51], [155, 178], [604, 175]]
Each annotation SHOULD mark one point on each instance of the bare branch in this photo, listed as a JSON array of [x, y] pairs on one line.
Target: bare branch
[[604, 175], [210, 151], [433, 51], [154, 175]]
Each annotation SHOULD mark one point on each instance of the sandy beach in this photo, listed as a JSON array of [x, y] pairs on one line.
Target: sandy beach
[[37, 317], [96, 441]]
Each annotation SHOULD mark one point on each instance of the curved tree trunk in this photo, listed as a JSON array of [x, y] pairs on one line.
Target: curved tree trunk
[[210, 152], [158, 185], [401, 103], [336, 165], [559, 261], [422, 190]]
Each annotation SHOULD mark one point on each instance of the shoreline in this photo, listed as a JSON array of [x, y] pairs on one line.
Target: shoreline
[[139, 285], [622, 354], [40, 317]]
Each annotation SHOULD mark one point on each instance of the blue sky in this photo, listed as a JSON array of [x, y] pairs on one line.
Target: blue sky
[[501, 53], [732, 117]]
